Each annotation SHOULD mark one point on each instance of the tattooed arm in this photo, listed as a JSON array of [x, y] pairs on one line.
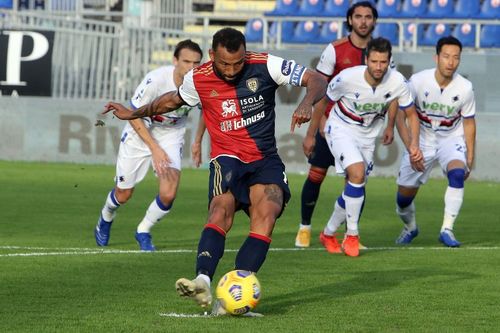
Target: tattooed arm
[[165, 103]]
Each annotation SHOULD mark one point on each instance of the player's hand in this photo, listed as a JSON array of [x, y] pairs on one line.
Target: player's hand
[[468, 169], [119, 110], [416, 158], [308, 145], [196, 153], [388, 136], [161, 161], [301, 115]]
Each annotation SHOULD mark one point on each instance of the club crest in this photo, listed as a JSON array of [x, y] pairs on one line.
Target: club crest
[[253, 84]]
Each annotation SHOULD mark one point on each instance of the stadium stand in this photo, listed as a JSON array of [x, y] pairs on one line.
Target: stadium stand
[[311, 7], [466, 33], [287, 31], [414, 8], [409, 31], [389, 8], [466, 9], [6, 4], [440, 9], [254, 30], [434, 32], [389, 31], [306, 32]]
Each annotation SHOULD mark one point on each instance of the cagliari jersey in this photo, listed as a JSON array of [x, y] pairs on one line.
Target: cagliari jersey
[[362, 107], [345, 51], [154, 84], [240, 116], [441, 111]]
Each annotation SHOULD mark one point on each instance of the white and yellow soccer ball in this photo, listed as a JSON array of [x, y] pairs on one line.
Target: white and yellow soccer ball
[[238, 292]]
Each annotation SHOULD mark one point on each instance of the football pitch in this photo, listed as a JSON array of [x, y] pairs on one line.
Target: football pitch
[[53, 278]]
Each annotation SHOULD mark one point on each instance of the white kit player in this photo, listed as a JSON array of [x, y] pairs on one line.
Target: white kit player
[[445, 105], [362, 97], [155, 141]]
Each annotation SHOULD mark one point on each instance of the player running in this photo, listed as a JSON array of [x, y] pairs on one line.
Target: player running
[[362, 96], [446, 107]]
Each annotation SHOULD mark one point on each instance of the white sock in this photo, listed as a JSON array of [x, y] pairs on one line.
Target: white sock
[[453, 199], [304, 226], [353, 207], [154, 214], [407, 215], [110, 206], [335, 221], [206, 278]]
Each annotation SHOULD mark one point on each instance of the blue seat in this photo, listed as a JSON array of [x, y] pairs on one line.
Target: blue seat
[[6, 4], [328, 33], [409, 31], [490, 10], [389, 31], [440, 9], [466, 9], [434, 32], [306, 32], [414, 8], [284, 8], [311, 8], [466, 34], [335, 8], [490, 36], [389, 8], [287, 31], [254, 30]]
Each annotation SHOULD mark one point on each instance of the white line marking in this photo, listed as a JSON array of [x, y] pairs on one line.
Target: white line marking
[[88, 251], [185, 315]]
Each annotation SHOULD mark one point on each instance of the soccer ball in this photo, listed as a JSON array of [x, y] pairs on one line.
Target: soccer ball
[[238, 291]]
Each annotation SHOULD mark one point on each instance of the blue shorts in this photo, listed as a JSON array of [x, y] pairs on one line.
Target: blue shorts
[[230, 174], [321, 155]]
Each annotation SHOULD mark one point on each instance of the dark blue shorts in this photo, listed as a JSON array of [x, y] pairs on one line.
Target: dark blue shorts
[[321, 156], [230, 174]]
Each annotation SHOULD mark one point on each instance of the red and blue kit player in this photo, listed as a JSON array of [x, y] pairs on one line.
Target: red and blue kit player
[[236, 90]]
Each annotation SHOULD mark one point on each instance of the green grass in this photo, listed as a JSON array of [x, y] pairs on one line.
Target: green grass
[[52, 209]]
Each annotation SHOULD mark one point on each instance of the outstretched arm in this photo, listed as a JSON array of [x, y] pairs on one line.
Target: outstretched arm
[[316, 85], [167, 102]]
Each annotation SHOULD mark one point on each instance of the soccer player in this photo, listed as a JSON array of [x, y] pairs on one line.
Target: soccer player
[[236, 90], [157, 140], [338, 55], [362, 96], [445, 105]]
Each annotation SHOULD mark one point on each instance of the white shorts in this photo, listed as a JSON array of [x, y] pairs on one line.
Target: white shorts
[[349, 147], [134, 156], [446, 151]]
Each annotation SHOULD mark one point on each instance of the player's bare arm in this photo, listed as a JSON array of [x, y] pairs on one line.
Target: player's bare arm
[[165, 103], [315, 85], [388, 135], [416, 156], [470, 141], [196, 146]]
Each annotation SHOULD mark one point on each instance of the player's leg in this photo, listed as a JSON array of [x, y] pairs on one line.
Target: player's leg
[[328, 236], [320, 160], [131, 167], [213, 237], [158, 208], [453, 199]]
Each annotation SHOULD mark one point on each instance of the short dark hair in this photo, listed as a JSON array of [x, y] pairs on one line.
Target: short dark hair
[[379, 44], [448, 40], [351, 9], [187, 44], [229, 38]]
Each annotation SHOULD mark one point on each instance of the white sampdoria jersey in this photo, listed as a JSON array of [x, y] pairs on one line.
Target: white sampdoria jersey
[[361, 107], [441, 111], [154, 84]]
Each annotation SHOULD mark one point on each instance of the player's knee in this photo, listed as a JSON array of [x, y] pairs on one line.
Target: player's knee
[[123, 195], [404, 201], [316, 175], [456, 178]]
